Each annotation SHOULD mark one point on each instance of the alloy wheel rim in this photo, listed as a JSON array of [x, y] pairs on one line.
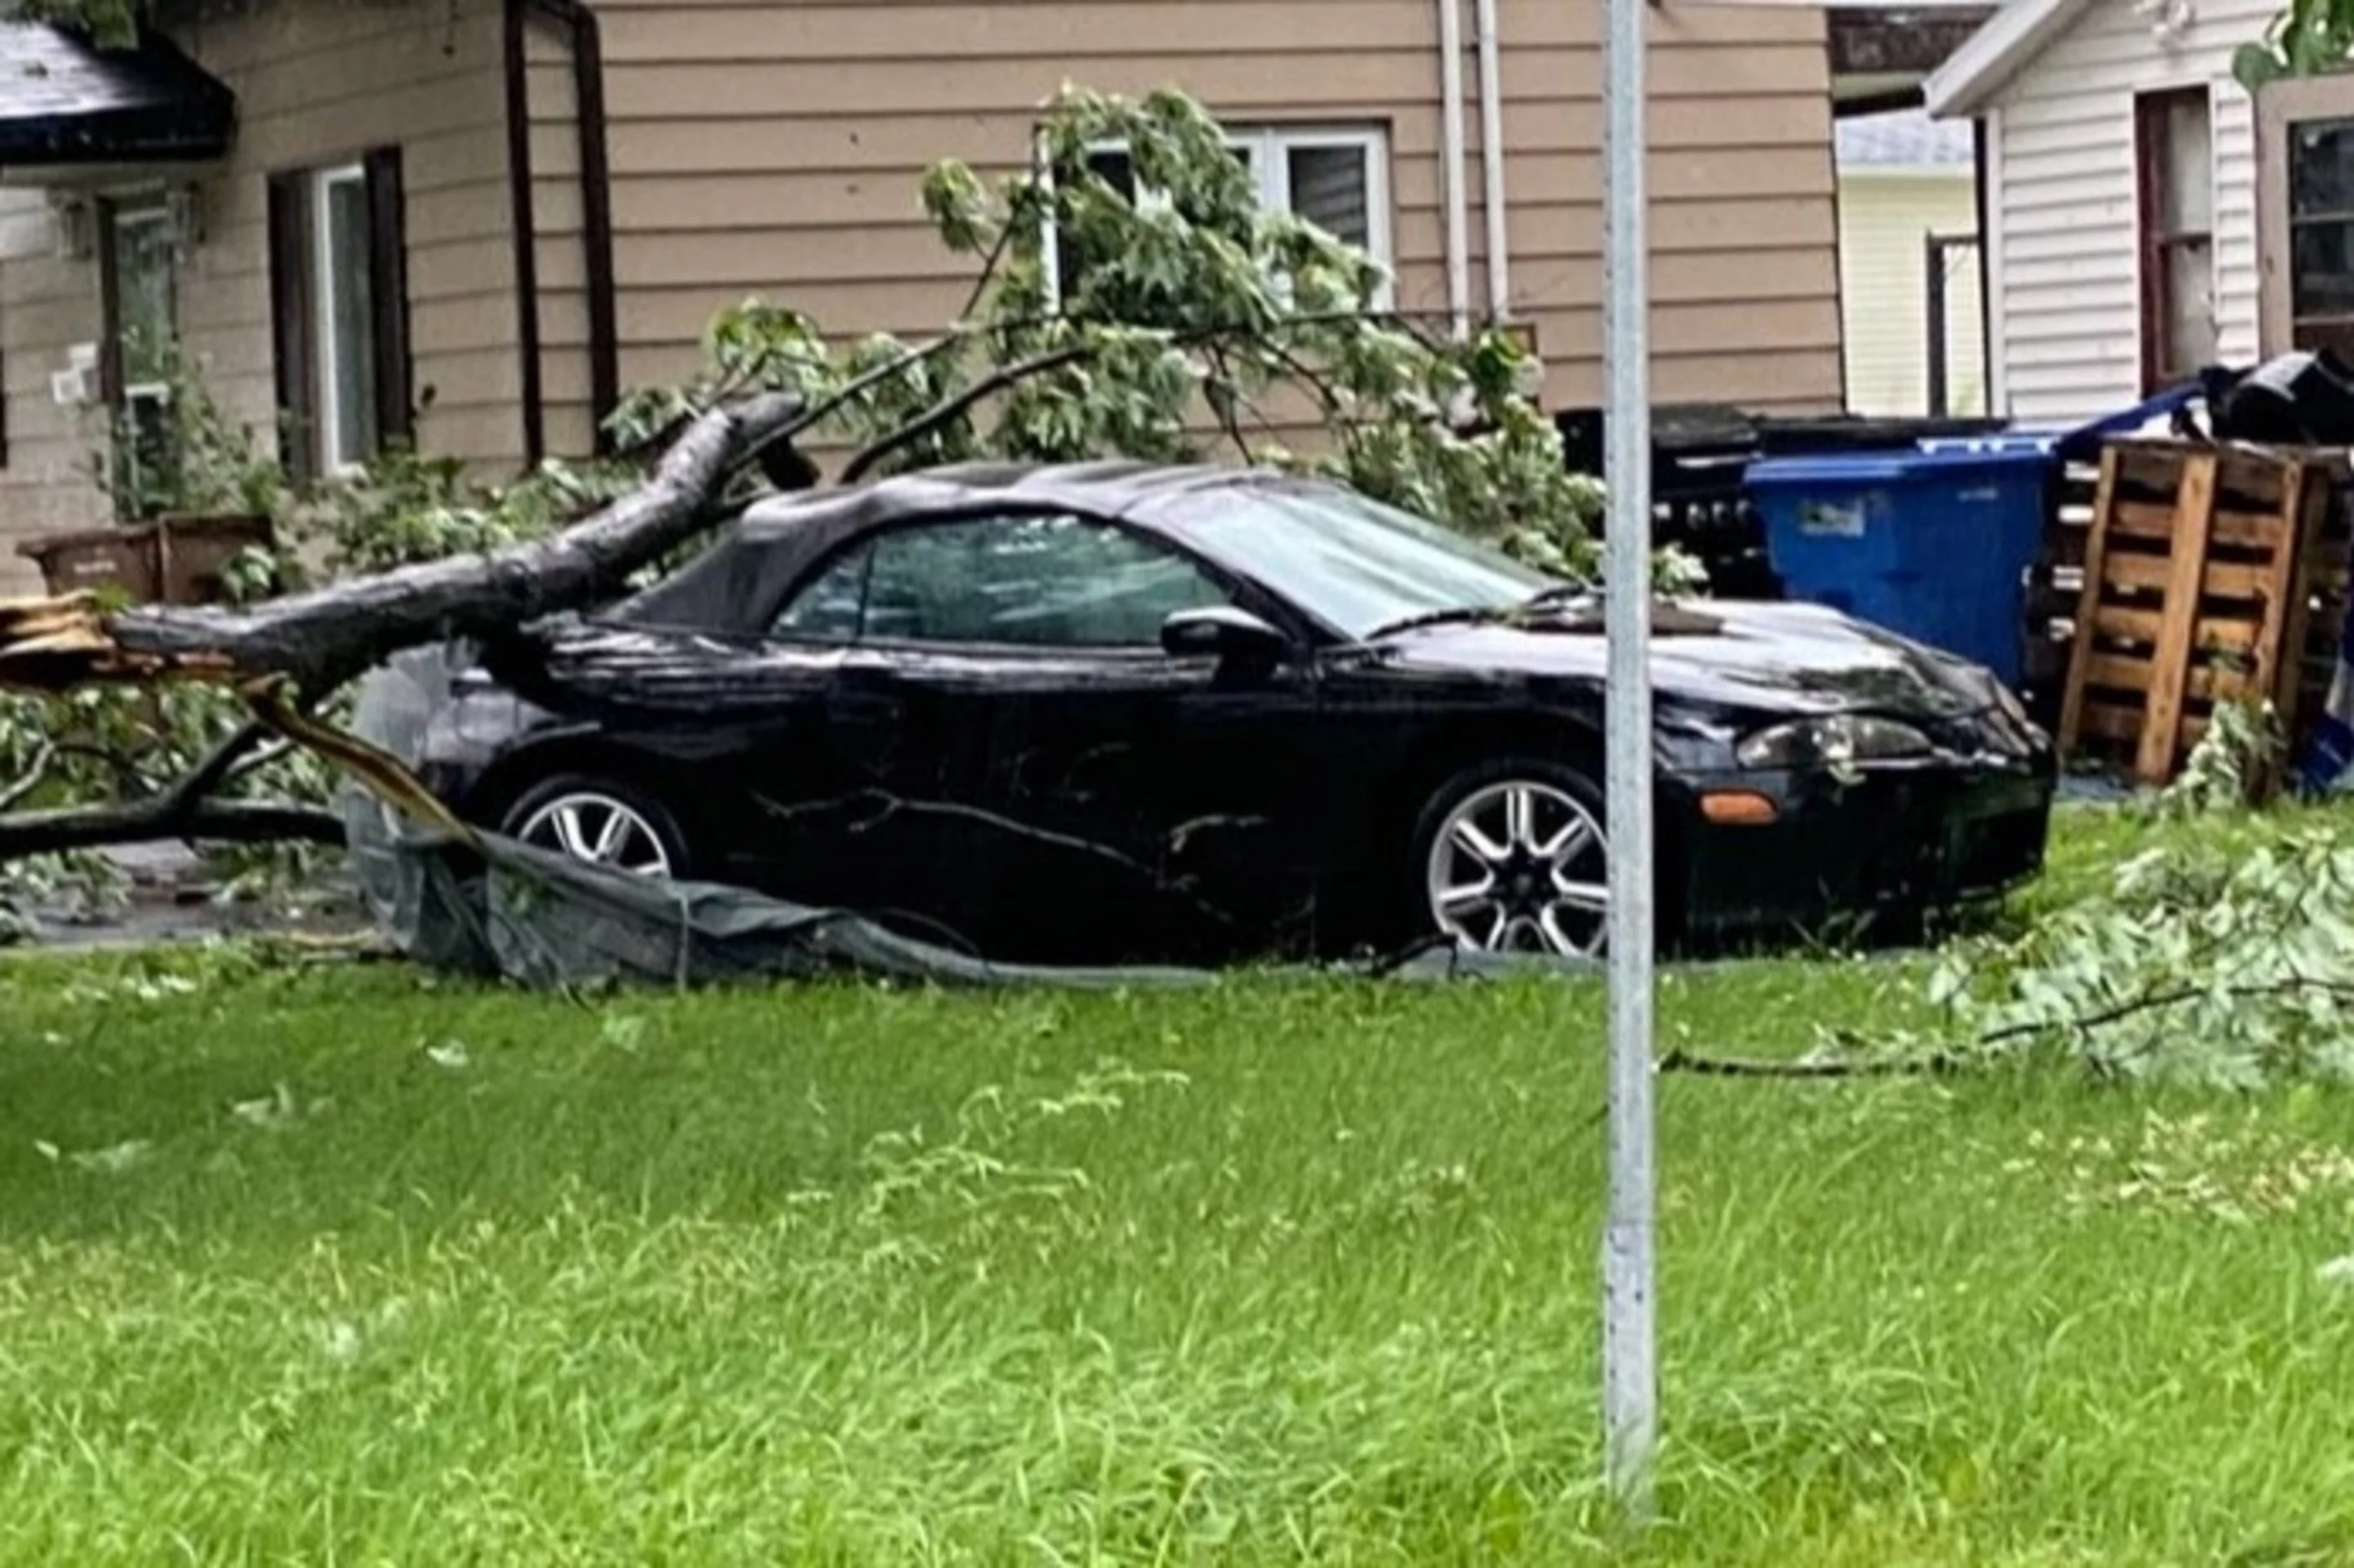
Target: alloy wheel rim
[[600, 831], [1521, 866]]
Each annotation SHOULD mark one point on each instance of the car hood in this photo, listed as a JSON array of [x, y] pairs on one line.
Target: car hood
[[1794, 658]]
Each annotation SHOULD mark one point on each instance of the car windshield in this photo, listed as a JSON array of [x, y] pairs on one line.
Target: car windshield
[[1354, 563]]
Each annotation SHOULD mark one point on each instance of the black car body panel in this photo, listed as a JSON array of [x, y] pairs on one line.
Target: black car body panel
[[1116, 802]]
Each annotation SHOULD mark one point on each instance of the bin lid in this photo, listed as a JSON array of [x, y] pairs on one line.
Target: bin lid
[[2068, 441], [1894, 467]]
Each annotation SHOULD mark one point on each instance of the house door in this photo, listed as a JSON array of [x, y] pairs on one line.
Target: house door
[[2305, 215]]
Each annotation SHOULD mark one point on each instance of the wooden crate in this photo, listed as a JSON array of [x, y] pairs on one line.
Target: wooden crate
[[2208, 575]]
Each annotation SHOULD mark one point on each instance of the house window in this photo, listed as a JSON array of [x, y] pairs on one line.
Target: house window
[[1337, 179], [2175, 169], [339, 287], [141, 308], [2321, 235]]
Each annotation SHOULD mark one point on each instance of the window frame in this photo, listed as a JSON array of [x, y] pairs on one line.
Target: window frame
[[308, 281], [2157, 251], [1267, 148], [329, 286], [2283, 109], [1238, 591], [124, 399], [125, 214]]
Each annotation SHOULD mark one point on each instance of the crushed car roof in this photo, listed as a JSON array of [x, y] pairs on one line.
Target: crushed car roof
[[742, 574], [1118, 489]]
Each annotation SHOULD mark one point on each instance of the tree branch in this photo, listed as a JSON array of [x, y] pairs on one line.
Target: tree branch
[[151, 820], [325, 637], [939, 414], [33, 778]]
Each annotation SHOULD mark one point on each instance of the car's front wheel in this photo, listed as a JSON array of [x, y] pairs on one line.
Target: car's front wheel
[[1512, 858], [602, 822]]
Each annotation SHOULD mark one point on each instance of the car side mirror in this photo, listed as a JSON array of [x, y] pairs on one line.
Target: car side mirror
[[1222, 633]]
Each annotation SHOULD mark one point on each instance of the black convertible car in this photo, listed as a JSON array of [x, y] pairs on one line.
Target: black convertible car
[[1114, 711]]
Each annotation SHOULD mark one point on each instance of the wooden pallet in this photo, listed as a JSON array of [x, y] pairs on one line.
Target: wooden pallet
[[2209, 575]]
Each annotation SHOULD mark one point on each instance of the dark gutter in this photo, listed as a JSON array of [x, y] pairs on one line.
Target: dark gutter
[[1876, 103], [526, 235], [596, 207], [588, 51], [1986, 248]]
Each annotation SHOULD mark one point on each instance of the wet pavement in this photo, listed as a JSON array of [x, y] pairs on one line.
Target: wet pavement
[[172, 900]]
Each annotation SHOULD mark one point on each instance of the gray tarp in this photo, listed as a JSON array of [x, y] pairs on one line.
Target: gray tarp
[[541, 920]]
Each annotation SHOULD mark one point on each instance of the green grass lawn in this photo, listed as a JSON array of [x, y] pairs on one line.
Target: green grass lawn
[[322, 1264]]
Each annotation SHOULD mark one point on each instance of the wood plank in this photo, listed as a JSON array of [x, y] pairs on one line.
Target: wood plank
[[2088, 608], [2241, 530], [2224, 580], [2206, 682], [2116, 672], [2112, 721], [2304, 506], [2194, 511]]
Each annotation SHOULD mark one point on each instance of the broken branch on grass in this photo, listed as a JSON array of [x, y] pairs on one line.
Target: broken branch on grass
[[1681, 1061], [57, 831]]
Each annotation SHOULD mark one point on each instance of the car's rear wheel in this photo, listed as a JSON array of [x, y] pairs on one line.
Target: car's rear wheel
[[602, 822], [1511, 858]]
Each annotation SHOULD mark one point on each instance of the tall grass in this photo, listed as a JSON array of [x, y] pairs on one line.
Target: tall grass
[[302, 1267]]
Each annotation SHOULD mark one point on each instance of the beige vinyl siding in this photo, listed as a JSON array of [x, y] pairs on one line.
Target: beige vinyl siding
[[47, 304], [317, 84], [1885, 219], [2068, 324], [322, 83], [777, 148]]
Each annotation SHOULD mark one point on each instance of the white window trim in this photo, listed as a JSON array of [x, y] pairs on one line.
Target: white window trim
[[328, 285], [1266, 149], [157, 215]]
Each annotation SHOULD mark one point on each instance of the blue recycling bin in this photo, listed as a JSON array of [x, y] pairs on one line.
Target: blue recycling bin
[[1934, 540], [1934, 545]]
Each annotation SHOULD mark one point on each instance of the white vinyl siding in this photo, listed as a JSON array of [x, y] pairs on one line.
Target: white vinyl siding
[[2068, 319]]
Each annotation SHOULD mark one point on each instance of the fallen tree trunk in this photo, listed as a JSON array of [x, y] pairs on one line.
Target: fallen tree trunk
[[152, 821], [324, 637]]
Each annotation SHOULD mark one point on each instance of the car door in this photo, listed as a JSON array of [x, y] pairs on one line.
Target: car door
[[1043, 778]]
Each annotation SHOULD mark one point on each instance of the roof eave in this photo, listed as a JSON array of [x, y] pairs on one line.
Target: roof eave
[[166, 110], [1982, 67]]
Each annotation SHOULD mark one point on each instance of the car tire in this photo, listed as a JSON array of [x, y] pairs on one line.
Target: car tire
[[1532, 830], [571, 813]]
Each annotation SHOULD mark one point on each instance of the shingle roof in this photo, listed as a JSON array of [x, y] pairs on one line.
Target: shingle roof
[[1905, 139], [64, 100]]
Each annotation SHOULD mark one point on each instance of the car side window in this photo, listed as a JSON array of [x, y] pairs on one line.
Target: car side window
[[1033, 581], [829, 608]]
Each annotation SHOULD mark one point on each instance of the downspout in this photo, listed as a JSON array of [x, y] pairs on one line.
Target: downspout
[[526, 235], [588, 56], [1455, 165], [1492, 161], [596, 207], [1981, 150]]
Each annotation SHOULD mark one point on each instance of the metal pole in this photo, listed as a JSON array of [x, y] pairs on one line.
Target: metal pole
[[1629, 1373], [1933, 270]]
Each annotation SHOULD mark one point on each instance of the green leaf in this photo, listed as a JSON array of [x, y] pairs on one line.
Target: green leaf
[[2254, 65]]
